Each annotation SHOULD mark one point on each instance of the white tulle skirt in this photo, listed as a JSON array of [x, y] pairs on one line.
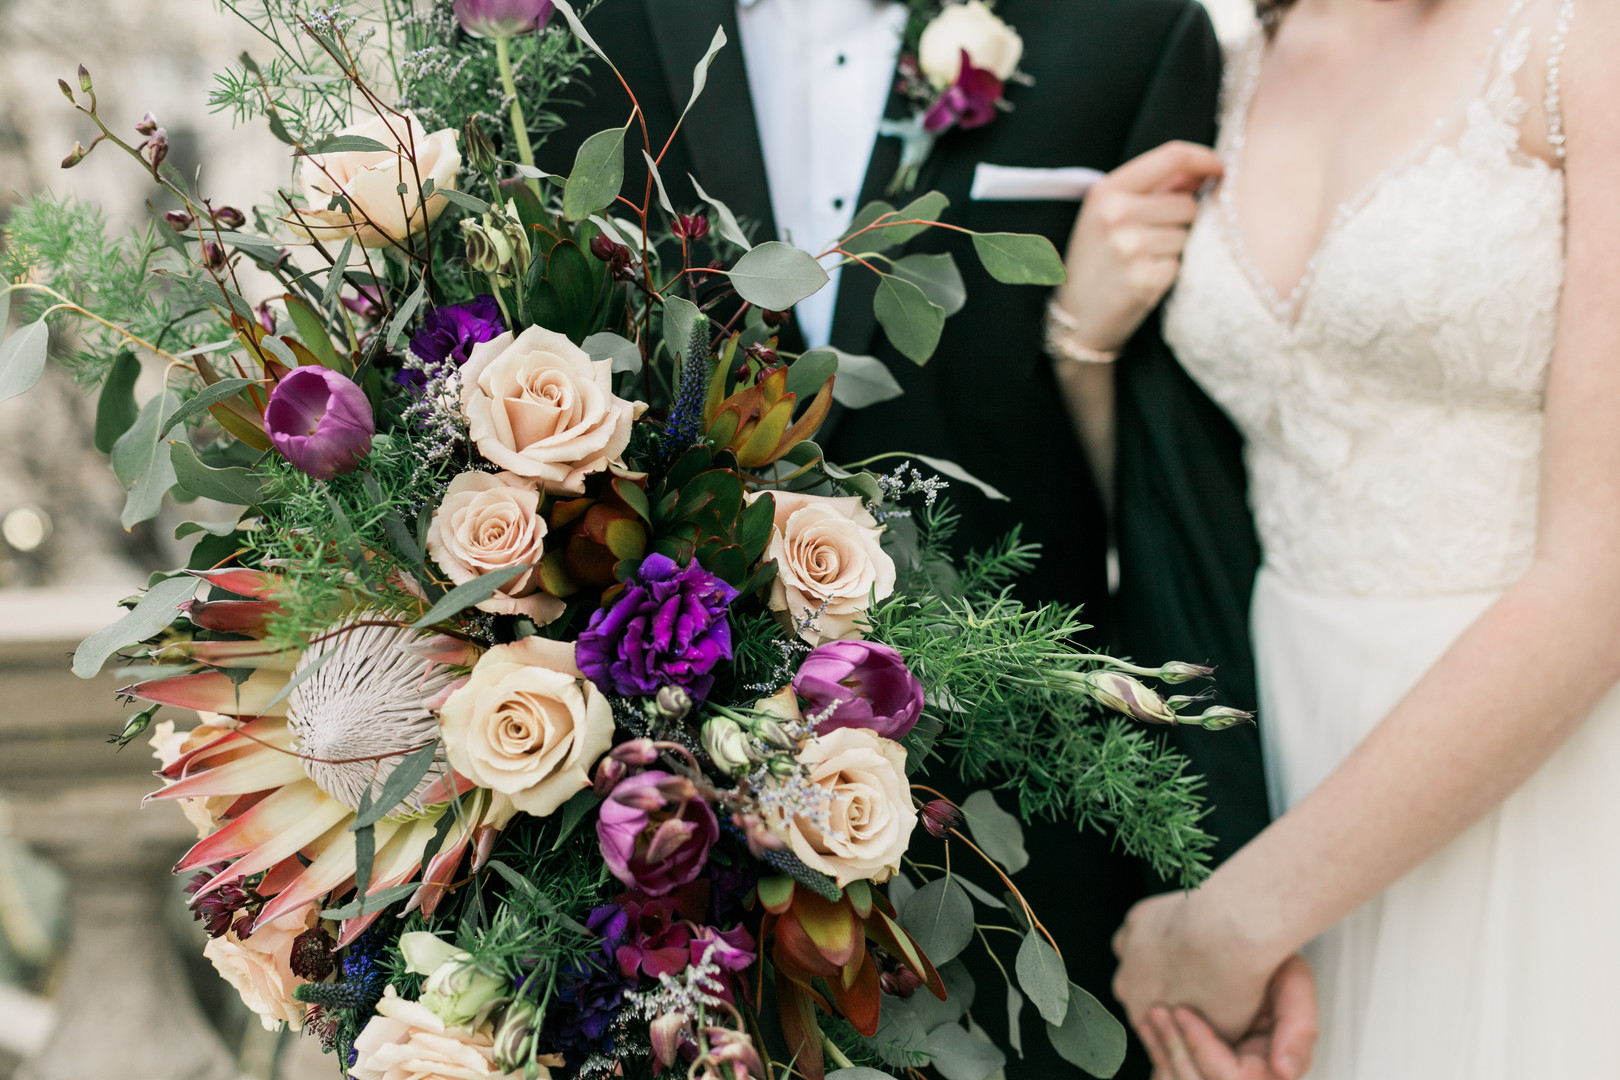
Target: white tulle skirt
[[1498, 958]]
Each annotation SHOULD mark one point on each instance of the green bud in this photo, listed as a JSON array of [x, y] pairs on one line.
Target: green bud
[[67, 91], [513, 1036], [84, 79], [76, 156], [1124, 694], [462, 993], [479, 150], [488, 250]]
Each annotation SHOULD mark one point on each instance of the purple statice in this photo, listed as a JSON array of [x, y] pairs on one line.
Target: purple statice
[[448, 335], [969, 102], [590, 992], [668, 628]]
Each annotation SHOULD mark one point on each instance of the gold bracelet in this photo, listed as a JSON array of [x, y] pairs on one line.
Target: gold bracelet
[[1061, 343]]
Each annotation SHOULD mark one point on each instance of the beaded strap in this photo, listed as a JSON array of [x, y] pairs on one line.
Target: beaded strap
[[1555, 62]]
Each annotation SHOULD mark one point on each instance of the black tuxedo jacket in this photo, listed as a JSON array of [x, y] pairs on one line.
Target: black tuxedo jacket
[[1112, 78]]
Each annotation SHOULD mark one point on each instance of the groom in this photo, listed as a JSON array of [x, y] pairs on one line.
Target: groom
[[786, 133]]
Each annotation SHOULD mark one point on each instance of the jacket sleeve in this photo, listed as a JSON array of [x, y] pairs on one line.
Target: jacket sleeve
[[1186, 543]]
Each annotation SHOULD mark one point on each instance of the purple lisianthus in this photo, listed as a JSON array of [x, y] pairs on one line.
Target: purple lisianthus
[[859, 684], [668, 628], [320, 421], [655, 832], [449, 333], [590, 991], [502, 18], [969, 102]]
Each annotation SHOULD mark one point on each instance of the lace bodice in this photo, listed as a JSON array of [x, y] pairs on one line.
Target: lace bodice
[[1392, 406]]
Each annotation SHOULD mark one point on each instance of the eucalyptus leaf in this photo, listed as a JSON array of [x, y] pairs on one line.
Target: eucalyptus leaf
[[911, 320], [1015, 1017], [334, 277], [982, 895], [927, 208], [235, 485], [900, 888], [725, 220], [278, 349], [606, 345], [863, 381], [940, 917], [464, 200], [999, 834], [806, 374], [405, 312], [776, 276], [140, 463], [700, 73], [597, 176], [468, 594], [869, 239], [115, 408], [937, 277], [962, 1055], [351, 144], [1019, 258], [1089, 1036], [155, 611], [375, 902], [858, 1072], [212, 528], [658, 182], [22, 359], [211, 395], [5, 308], [574, 24], [1042, 975], [680, 318], [399, 785]]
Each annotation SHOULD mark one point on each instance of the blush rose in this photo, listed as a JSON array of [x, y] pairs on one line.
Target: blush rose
[[490, 521], [830, 565], [527, 724], [537, 405], [870, 816]]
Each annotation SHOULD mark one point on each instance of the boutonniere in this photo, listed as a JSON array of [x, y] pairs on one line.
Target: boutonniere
[[956, 60]]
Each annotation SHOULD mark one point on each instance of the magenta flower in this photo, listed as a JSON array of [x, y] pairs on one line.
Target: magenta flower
[[859, 684], [320, 421], [969, 102], [655, 832], [502, 18]]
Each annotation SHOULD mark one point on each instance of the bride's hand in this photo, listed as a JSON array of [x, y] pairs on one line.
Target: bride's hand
[[1277, 1047], [1173, 952], [1126, 247]]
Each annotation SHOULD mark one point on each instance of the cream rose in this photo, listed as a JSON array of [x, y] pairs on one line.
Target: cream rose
[[489, 521], [369, 182], [539, 406], [260, 967], [168, 745], [527, 725], [991, 44], [407, 1041], [829, 564], [870, 815]]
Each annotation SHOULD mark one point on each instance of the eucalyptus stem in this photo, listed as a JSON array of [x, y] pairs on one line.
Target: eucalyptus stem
[[520, 126]]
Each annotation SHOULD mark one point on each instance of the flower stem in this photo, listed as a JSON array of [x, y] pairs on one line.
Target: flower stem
[[836, 1054], [520, 126]]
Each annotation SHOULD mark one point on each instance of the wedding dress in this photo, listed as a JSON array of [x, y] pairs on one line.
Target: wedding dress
[[1392, 412]]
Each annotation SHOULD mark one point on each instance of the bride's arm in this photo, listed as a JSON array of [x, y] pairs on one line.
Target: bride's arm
[[1507, 694]]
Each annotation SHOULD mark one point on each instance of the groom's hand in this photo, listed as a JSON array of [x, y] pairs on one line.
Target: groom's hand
[[1278, 1047], [1126, 248]]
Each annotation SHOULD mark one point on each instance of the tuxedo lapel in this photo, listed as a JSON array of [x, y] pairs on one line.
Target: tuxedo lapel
[[721, 133]]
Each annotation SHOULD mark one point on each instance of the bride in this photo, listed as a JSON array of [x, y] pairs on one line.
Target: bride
[[1404, 289]]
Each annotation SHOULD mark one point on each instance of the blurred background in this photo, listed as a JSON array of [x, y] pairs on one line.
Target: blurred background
[[101, 969]]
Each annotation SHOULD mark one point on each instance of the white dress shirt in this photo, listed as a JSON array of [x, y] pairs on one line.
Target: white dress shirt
[[819, 72]]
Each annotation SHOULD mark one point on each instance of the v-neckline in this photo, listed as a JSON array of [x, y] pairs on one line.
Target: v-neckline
[[1287, 311]]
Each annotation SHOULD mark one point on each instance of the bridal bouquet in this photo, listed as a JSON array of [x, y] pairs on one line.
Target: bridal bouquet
[[557, 707]]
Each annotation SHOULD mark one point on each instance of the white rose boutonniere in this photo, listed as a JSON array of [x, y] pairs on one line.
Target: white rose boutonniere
[[955, 64]]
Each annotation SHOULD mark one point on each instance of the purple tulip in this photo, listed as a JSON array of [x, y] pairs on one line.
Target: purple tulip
[[668, 628], [859, 684], [320, 421], [655, 832], [969, 102], [448, 335], [502, 18]]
